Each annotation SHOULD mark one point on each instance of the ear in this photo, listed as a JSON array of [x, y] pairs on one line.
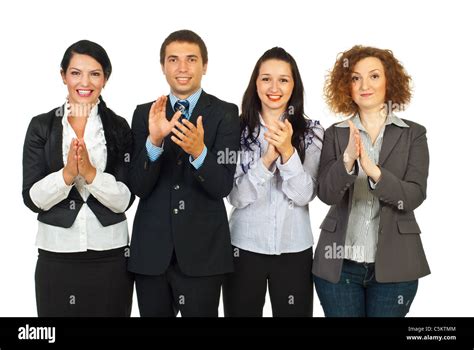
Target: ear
[[163, 68], [204, 69], [63, 76]]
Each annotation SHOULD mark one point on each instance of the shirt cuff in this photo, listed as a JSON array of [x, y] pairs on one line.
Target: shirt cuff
[[97, 183], [291, 168], [61, 185], [372, 184], [154, 152], [199, 160], [261, 172]]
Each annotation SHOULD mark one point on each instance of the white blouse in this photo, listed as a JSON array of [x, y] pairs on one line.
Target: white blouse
[[86, 232]]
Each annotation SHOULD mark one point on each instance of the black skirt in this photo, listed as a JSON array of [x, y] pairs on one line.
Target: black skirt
[[84, 284]]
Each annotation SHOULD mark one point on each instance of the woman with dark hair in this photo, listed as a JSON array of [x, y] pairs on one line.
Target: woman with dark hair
[[274, 182], [75, 169], [373, 173]]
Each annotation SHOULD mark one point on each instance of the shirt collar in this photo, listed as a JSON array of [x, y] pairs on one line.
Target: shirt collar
[[192, 99], [391, 119]]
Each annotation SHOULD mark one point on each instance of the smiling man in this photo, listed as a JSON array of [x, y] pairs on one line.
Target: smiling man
[[180, 248]]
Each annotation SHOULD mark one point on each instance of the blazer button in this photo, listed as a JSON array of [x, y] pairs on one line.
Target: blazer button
[[381, 231], [175, 211], [179, 162], [176, 187]]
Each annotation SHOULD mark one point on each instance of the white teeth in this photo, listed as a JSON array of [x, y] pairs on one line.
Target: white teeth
[[84, 92]]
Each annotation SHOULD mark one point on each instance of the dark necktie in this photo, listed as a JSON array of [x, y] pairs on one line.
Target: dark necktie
[[183, 106]]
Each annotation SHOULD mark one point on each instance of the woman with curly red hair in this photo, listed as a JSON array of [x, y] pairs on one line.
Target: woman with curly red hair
[[373, 172]]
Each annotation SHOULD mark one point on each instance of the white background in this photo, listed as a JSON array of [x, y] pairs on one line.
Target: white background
[[433, 39]]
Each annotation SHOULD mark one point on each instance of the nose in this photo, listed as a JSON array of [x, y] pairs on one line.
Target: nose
[[182, 66], [364, 84], [84, 80], [274, 86]]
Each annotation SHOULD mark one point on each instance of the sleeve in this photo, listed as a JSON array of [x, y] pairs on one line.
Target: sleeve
[[114, 194], [34, 162], [333, 180], [299, 180], [154, 152], [144, 173], [408, 193], [50, 190], [249, 186], [216, 174], [197, 163]]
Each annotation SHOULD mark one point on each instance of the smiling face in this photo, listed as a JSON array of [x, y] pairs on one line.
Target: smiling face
[[275, 85], [84, 78], [369, 84], [183, 67]]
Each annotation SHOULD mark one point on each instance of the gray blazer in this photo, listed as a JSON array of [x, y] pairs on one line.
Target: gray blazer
[[404, 161]]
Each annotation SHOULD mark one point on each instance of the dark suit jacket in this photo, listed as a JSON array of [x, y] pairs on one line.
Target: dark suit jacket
[[43, 155], [404, 164], [181, 208]]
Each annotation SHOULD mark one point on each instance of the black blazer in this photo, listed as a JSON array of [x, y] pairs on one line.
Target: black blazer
[[42, 155], [181, 208]]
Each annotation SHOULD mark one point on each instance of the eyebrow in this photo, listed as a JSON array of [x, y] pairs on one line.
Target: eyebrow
[[94, 70], [373, 70], [188, 56], [282, 75]]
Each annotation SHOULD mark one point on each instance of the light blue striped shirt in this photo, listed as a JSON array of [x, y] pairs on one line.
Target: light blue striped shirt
[[154, 152], [271, 214]]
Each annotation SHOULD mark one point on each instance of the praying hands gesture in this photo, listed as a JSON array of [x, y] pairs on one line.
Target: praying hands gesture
[[78, 163], [355, 150]]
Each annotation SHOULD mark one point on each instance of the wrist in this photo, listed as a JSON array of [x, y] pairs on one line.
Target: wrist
[[67, 177], [267, 162], [90, 176], [287, 155], [156, 141], [375, 174], [197, 153]]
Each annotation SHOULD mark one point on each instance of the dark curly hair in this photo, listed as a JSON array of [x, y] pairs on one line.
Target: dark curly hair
[[337, 89]]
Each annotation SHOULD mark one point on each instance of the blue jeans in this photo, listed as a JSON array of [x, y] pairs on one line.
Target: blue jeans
[[358, 294]]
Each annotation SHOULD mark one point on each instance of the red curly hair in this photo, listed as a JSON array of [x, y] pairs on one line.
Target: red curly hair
[[337, 89]]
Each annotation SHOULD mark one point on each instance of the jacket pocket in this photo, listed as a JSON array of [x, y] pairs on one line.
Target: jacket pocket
[[408, 226], [329, 224]]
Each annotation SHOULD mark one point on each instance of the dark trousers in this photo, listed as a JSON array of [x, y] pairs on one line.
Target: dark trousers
[[164, 295], [289, 283], [84, 284], [358, 294]]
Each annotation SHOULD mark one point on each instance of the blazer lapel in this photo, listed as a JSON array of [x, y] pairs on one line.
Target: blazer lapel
[[108, 138], [390, 138], [56, 141], [201, 105]]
